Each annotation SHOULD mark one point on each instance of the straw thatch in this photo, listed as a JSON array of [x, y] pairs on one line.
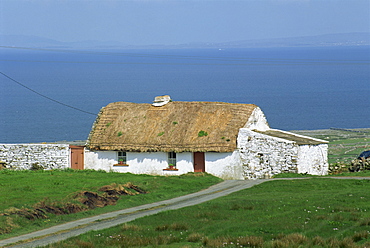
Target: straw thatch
[[176, 126]]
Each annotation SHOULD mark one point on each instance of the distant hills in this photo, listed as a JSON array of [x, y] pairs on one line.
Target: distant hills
[[345, 39]]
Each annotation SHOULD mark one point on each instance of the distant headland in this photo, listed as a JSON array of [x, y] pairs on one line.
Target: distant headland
[[342, 39]]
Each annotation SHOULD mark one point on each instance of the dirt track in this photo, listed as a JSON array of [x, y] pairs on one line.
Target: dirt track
[[74, 228]]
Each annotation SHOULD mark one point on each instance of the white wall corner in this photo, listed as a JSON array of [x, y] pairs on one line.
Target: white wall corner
[[257, 121], [313, 159]]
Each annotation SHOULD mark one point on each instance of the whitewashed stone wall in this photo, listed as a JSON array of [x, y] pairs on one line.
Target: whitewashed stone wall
[[263, 156], [257, 121], [152, 163], [313, 159], [100, 160], [224, 165], [23, 156]]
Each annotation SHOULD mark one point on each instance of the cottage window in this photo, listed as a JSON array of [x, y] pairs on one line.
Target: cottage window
[[122, 157], [172, 158]]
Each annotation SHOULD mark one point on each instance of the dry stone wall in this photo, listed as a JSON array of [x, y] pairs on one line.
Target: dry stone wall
[[263, 156], [24, 156]]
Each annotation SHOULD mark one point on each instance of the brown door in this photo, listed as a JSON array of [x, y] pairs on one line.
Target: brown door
[[77, 157], [199, 164]]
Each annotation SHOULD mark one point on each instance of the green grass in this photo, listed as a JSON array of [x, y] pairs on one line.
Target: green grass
[[24, 189], [365, 173], [293, 175], [315, 212], [347, 149]]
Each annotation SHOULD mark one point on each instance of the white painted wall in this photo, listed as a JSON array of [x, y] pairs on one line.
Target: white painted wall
[[224, 165], [257, 121], [100, 160], [313, 159], [151, 163], [184, 162]]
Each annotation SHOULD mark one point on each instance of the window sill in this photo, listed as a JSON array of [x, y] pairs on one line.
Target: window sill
[[170, 169], [121, 165]]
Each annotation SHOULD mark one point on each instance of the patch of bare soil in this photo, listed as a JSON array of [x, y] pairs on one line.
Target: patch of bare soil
[[40, 210], [88, 199]]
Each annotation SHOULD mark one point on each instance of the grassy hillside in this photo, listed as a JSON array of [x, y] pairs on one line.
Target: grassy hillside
[[315, 212], [33, 200]]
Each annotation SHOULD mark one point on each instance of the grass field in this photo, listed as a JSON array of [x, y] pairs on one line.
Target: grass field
[[306, 213], [24, 191], [314, 212]]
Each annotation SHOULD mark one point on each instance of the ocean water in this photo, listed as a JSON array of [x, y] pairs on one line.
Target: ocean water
[[297, 88]]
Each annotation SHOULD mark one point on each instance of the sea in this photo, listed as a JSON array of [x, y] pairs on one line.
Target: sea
[[51, 95]]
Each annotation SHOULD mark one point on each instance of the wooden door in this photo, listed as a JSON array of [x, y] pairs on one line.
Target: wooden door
[[77, 157], [199, 162]]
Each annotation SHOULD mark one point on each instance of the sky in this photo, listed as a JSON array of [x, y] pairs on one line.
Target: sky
[[170, 22]]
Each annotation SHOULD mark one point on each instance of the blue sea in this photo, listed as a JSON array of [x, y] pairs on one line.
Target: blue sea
[[297, 88]]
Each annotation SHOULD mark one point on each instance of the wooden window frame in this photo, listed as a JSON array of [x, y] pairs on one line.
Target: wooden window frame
[[171, 156], [171, 160], [121, 155]]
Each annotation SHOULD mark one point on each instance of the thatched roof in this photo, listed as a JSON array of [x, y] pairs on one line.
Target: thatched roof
[[176, 126]]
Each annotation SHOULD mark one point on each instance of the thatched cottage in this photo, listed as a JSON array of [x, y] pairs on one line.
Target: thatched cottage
[[228, 140]]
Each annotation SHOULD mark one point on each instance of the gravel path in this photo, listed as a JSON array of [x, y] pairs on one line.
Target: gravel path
[[75, 228]]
